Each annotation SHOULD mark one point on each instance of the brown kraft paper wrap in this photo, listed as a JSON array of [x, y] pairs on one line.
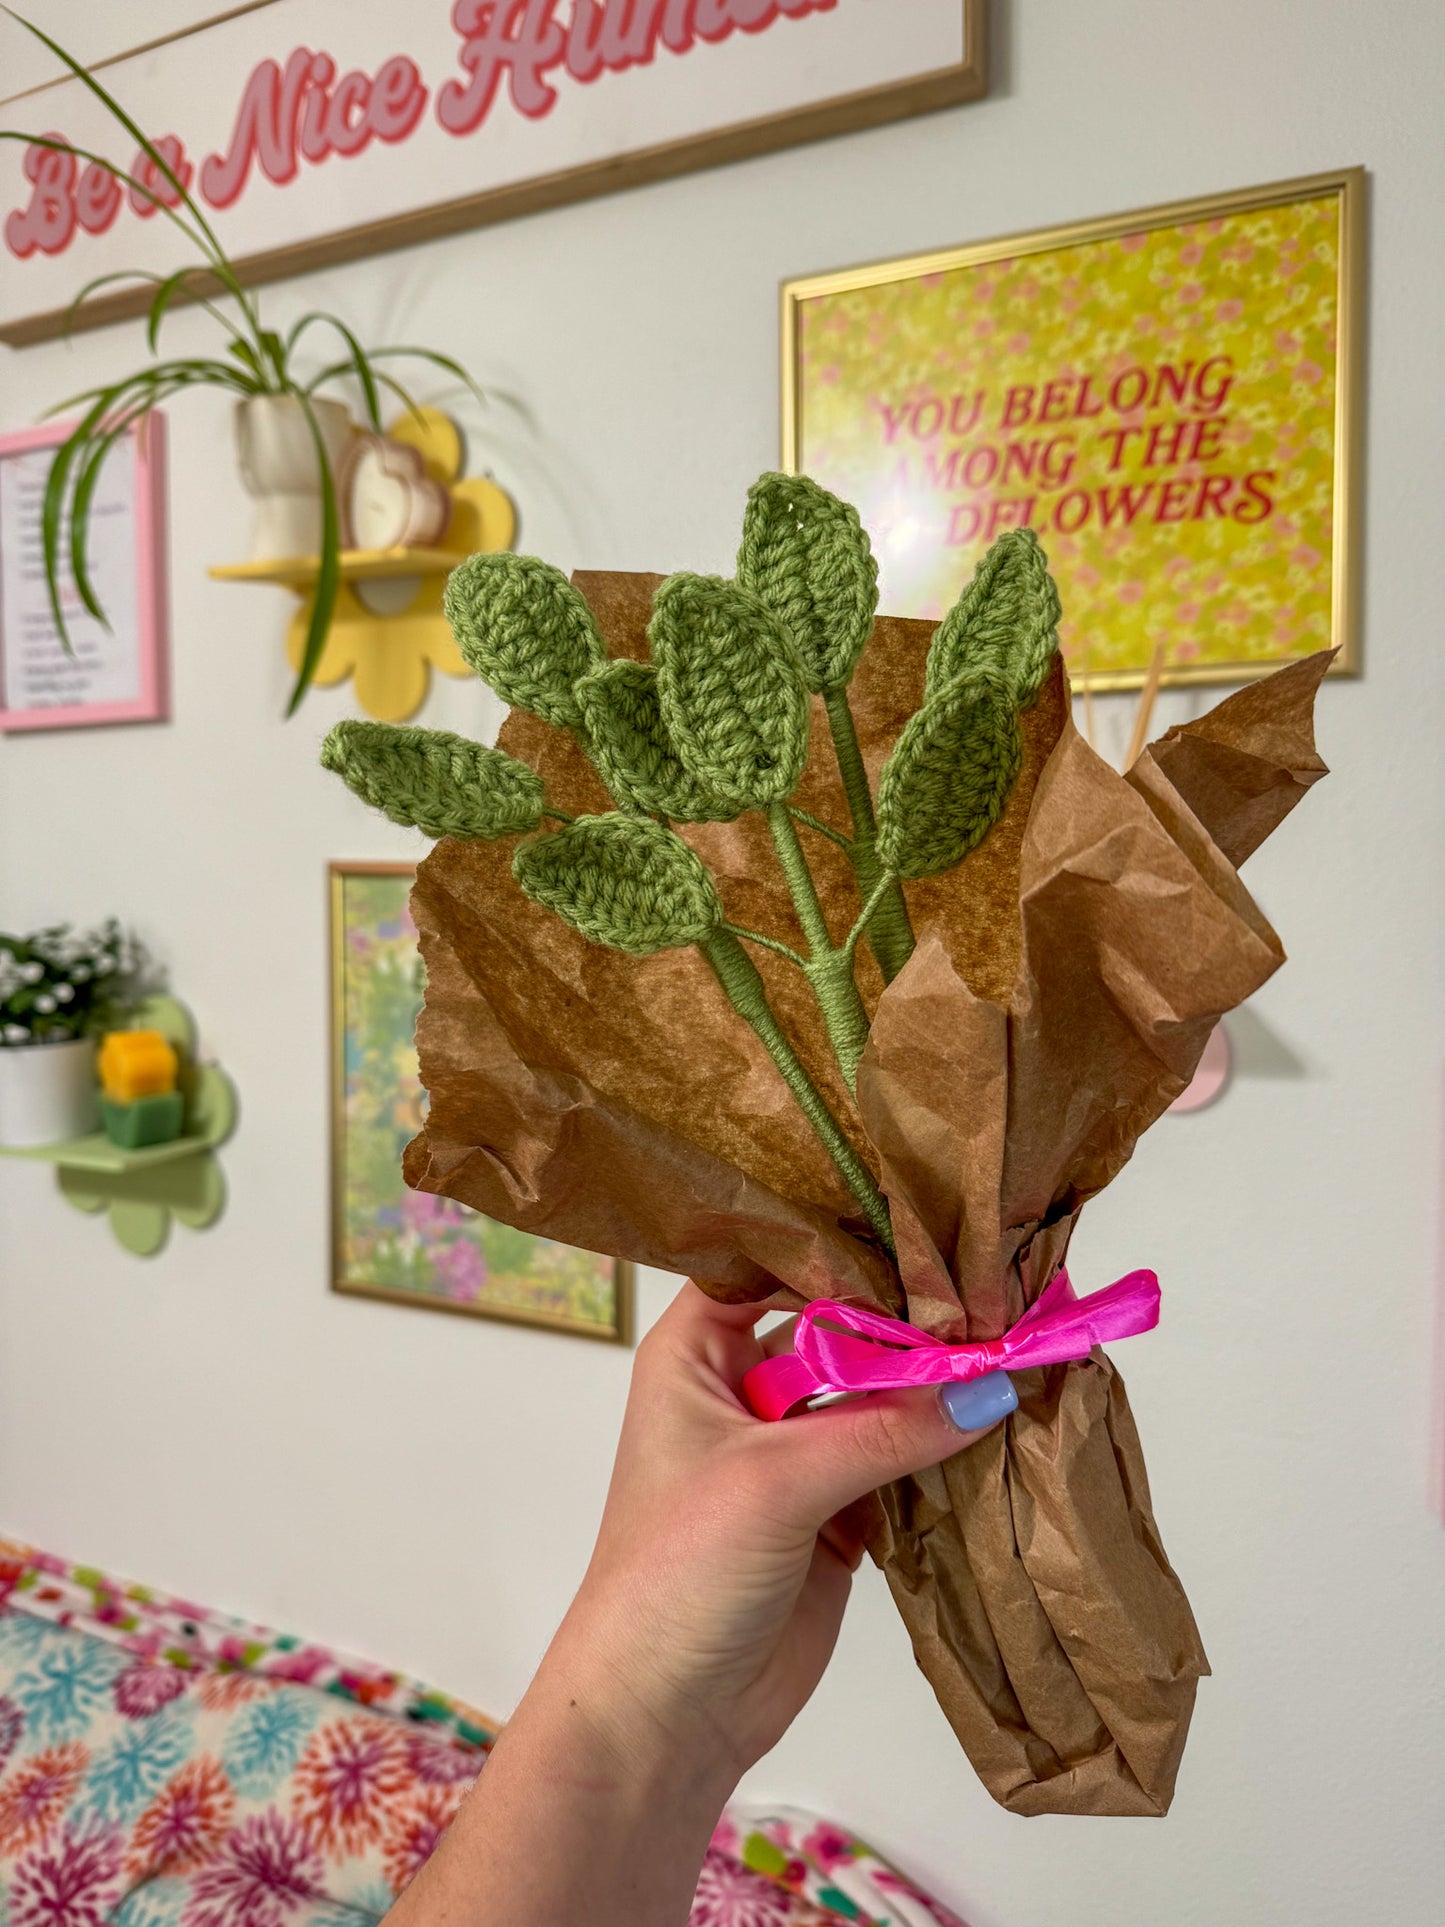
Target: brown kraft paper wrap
[[1065, 983]]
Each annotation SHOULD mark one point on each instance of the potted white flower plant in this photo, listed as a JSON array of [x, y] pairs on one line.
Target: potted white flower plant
[[58, 990]]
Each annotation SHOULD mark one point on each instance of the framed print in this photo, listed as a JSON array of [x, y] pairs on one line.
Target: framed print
[[331, 130], [115, 671], [1168, 397], [409, 1247]]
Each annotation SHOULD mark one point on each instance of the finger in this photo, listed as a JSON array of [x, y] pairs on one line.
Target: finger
[[778, 1340], [846, 1544], [718, 1338], [828, 1459], [693, 1306]]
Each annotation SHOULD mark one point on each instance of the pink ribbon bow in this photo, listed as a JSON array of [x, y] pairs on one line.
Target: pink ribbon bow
[[871, 1353]]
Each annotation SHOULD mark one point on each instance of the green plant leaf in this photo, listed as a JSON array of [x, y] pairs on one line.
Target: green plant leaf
[[87, 476], [526, 631], [732, 690], [202, 236], [1007, 618], [52, 506], [117, 112], [806, 555], [155, 280], [446, 363], [627, 739], [434, 781], [165, 293], [356, 363], [403, 395], [56, 146], [949, 777], [328, 579], [625, 881]]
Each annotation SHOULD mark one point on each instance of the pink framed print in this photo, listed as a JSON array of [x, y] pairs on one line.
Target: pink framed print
[[113, 672]]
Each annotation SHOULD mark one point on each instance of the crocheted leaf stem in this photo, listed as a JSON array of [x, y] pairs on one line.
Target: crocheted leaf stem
[[433, 781], [626, 881], [525, 630], [632, 883], [716, 724], [948, 779], [733, 695], [1007, 617], [829, 970], [730, 683], [805, 553], [739, 977], [627, 739]]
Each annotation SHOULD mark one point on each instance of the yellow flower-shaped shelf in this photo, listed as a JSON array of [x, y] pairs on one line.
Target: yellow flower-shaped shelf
[[388, 630]]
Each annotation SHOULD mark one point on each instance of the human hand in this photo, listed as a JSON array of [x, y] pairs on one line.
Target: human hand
[[725, 1556], [707, 1615]]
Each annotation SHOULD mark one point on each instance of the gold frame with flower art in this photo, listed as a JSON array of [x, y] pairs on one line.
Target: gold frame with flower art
[[1170, 397], [406, 1247]]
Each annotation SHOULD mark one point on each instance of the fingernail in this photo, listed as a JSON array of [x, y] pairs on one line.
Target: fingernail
[[979, 1402]]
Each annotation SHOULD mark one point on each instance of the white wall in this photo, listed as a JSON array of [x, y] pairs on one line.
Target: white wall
[[423, 1489]]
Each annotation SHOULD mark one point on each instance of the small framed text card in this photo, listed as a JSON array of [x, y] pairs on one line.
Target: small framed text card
[[1167, 398], [112, 672]]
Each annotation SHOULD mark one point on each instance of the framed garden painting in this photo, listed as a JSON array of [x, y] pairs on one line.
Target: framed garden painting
[[1168, 398], [408, 1247]]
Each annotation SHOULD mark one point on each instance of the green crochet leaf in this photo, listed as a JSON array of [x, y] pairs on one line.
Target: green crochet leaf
[[950, 774], [628, 741], [525, 630], [805, 554], [1007, 618], [626, 881], [434, 781], [731, 688]]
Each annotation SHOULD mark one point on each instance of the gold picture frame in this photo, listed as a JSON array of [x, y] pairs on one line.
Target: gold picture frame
[[410, 1248], [818, 436]]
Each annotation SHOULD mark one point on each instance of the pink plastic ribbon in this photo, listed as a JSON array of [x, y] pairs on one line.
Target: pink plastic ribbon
[[844, 1349]]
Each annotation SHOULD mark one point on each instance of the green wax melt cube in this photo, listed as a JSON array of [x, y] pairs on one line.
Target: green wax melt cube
[[145, 1120]]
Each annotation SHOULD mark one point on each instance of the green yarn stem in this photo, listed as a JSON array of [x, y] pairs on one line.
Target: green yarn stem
[[890, 934], [768, 943], [745, 991], [885, 882], [823, 829], [829, 970]]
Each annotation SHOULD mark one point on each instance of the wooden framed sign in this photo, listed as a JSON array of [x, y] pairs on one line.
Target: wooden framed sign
[[324, 129], [1167, 397], [110, 674]]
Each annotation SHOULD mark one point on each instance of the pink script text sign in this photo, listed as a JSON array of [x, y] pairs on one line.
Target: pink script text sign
[[324, 130], [111, 674]]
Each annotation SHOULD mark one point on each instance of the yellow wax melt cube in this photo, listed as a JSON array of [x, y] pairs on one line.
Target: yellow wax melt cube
[[136, 1063]]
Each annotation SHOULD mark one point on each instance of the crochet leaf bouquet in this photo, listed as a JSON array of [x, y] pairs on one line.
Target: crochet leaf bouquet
[[813, 954]]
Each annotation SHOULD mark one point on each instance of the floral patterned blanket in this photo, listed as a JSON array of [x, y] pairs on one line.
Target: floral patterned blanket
[[162, 1765]]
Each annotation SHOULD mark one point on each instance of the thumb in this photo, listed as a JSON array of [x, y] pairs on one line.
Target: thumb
[[836, 1455]]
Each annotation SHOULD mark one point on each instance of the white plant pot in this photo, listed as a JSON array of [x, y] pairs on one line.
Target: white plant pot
[[47, 1092], [278, 467]]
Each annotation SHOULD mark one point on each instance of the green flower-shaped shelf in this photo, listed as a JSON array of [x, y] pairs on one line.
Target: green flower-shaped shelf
[[143, 1190]]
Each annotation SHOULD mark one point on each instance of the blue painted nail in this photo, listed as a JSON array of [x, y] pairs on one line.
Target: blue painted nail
[[980, 1402]]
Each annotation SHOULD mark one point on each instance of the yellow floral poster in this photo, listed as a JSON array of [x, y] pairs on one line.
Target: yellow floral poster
[[1163, 397]]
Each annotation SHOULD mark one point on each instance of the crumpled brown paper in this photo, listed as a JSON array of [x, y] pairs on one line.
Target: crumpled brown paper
[[1065, 982]]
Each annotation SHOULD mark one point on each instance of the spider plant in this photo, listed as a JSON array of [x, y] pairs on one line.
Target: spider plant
[[254, 361]]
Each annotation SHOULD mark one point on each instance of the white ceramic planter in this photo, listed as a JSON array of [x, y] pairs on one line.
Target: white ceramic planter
[[278, 467], [47, 1092]]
